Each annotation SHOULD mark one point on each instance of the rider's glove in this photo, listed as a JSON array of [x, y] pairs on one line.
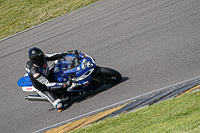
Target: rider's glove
[[72, 52]]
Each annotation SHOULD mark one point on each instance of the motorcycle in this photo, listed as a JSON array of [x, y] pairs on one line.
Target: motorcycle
[[86, 76]]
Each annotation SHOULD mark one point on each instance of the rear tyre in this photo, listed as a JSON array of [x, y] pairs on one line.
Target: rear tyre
[[107, 76]]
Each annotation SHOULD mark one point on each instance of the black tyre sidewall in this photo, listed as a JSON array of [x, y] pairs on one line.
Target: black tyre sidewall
[[110, 72]]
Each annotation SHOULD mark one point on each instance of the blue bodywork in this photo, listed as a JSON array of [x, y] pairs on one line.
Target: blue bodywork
[[24, 81]]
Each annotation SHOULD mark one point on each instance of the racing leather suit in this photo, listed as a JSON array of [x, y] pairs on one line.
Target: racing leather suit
[[41, 78]]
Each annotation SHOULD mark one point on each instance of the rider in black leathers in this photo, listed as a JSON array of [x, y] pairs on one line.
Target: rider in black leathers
[[40, 74]]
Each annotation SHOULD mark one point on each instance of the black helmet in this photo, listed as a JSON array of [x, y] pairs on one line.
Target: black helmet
[[36, 55]]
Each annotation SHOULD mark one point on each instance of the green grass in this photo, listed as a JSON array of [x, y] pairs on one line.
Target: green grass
[[176, 115], [18, 15]]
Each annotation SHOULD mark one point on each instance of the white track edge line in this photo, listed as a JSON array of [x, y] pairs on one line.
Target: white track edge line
[[113, 105]]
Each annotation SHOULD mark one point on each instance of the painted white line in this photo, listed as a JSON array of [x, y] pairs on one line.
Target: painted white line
[[114, 105]]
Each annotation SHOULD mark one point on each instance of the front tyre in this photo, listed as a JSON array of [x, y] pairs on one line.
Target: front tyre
[[107, 76]]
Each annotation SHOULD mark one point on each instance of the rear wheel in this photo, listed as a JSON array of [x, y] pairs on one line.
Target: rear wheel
[[107, 76]]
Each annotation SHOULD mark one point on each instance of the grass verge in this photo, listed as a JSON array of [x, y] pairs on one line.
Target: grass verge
[[176, 115], [18, 15]]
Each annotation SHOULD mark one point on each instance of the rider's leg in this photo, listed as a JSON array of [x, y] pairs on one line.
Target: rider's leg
[[52, 98]]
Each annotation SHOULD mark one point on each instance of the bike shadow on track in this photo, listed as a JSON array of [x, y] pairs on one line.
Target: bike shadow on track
[[89, 94]]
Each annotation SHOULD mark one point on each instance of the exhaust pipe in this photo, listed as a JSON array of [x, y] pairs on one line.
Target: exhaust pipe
[[35, 98]]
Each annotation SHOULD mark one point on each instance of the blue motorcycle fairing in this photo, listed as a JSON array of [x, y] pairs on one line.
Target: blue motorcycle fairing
[[83, 71], [24, 81], [62, 69]]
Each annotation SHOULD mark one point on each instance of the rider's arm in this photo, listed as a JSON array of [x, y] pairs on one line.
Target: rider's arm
[[40, 78], [55, 56]]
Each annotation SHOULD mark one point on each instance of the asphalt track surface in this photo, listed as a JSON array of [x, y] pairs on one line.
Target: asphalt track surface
[[152, 43]]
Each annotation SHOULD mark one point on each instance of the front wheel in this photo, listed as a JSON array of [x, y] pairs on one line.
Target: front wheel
[[107, 76]]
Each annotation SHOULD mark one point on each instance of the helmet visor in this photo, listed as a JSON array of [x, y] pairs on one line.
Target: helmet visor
[[39, 60]]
